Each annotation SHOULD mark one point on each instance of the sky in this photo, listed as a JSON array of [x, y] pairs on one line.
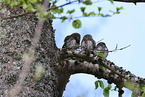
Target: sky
[[127, 28]]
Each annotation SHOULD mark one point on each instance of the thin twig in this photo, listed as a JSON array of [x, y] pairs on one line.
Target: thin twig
[[16, 16], [63, 5], [99, 40], [119, 48]]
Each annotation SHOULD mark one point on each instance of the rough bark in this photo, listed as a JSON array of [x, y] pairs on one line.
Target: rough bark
[[16, 37]]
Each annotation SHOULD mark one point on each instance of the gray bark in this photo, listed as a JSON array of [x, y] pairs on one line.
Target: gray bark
[[16, 35]]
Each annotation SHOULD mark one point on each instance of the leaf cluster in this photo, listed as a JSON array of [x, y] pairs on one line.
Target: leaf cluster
[[105, 89], [57, 10]]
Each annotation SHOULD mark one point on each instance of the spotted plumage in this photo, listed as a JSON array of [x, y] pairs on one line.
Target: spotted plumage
[[87, 43], [72, 41], [101, 50]]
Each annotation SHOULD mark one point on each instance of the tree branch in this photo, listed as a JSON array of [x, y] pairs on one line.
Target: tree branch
[[16, 16], [130, 1], [111, 72], [63, 5]]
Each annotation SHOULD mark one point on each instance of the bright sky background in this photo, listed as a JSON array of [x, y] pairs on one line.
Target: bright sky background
[[127, 28]]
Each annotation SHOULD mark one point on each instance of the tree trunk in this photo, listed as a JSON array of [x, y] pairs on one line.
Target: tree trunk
[[17, 30]]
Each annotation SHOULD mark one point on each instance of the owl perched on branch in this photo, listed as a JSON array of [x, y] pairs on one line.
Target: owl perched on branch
[[101, 50], [72, 41], [87, 43]]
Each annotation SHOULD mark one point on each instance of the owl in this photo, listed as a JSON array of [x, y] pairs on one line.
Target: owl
[[101, 50], [72, 41], [87, 43]]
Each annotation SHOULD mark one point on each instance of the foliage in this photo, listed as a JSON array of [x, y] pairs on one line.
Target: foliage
[[76, 23], [105, 89], [142, 89], [55, 9]]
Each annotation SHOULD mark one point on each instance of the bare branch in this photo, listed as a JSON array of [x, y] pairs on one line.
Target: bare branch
[[105, 63], [130, 1], [63, 4], [116, 48], [16, 16], [99, 40]]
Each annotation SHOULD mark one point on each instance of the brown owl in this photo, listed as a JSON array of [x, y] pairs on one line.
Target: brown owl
[[72, 41], [87, 43], [101, 50]]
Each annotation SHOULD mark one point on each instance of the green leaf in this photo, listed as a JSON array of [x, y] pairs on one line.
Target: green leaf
[[33, 1], [117, 12], [96, 84], [107, 15], [54, 2], [39, 0], [132, 95], [102, 15], [63, 18], [24, 6], [101, 84], [99, 9], [143, 95], [56, 10], [30, 7], [83, 9], [87, 2], [106, 92], [119, 8], [46, 13], [61, 10], [21, 2], [109, 86], [101, 67], [1, 1], [51, 15], [71, 11], [77, 23], [111, 1], [115, 89], [7, 1], [142, 88], [14, 3], [85, 14], [79, 1], [101, 55], [92, 13], [71, 17]]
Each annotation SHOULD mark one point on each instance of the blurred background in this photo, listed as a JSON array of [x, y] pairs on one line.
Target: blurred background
[[126, 28]]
